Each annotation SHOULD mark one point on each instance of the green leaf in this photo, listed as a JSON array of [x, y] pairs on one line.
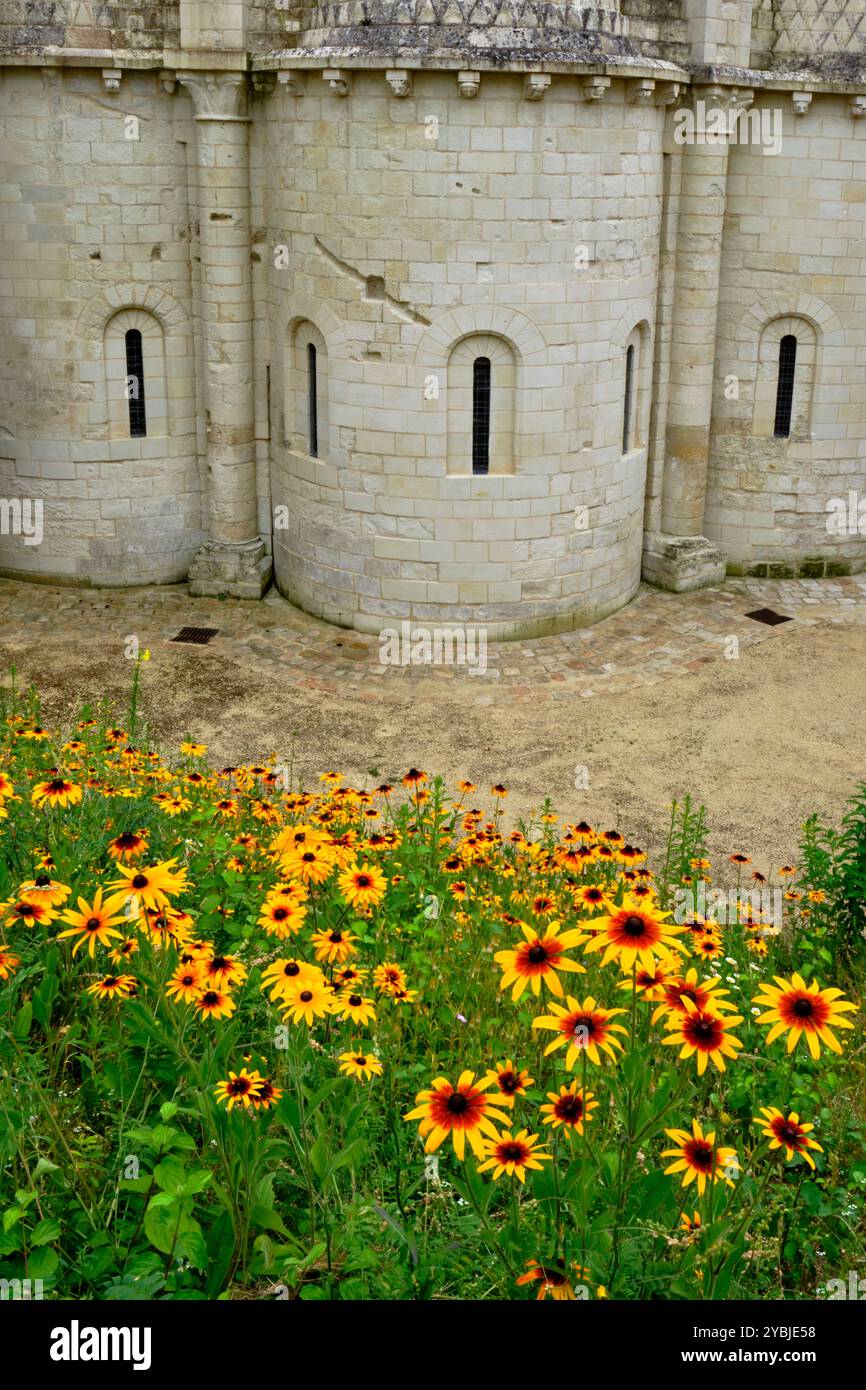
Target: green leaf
[[266, 1219], [42, 1263], [319, 1158], [162, 1221], [46, 1231], [23, 1020]]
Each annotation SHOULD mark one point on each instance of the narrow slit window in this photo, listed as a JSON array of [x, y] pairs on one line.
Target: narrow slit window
[[135, 384], [481, 415], [785, 388], [627, 400], [312, 401]]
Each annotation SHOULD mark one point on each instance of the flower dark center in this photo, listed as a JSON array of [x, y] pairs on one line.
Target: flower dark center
[[93, 923], [536, 954], [140, 881], [803, 1008], [306, 995], [355, 1000], [634, 926], [458, 1104]]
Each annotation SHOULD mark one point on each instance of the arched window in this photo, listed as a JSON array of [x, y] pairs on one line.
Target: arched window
[[627, 398], [481, 415], [306, 389], [785, 386], [135, 384], [632, 370], [785, 379], [135, 376], [481, 389], [312, 403]]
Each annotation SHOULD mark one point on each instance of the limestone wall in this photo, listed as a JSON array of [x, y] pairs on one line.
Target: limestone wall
[[794, 256], [94, 223], [410, 224]]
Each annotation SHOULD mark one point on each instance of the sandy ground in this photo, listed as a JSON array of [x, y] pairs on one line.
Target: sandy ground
[[762, 741]]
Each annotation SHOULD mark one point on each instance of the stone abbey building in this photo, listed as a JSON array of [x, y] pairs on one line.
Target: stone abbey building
[[465, 311]]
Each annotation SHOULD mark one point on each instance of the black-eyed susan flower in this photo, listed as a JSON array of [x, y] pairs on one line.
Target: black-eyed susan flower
[[362, 885], [214, 1003], [569, 1108], [239, 1089], [186, 983], [334, 944], [281, 975], [94, 922], [306, 1000], [57, 791], [223, 971], [691, 1224], [267, 1093], [649, 984], [388, 977], [129, 844], [44, 889], [9, 963], [538, 959], [804, 1011], [113, 986], [789, 1133], [363, 1066], [463, 1111], [513, 1154], [698, 1158], [27, 912], [309, 863], [355, 1008], [510, 1081], [150, 886], [193, 750], [703, 1033], [582, 1028], [703, 994], [552, 1281], [635, 934], [282, 917]]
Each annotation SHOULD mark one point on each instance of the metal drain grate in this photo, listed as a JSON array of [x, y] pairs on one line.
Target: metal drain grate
[[768, 616], [196, 636]]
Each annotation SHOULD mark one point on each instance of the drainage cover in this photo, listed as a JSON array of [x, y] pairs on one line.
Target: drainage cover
[[197, 636], [766, 615]]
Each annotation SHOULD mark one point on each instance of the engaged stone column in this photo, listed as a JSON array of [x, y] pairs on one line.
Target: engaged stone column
[[680, 557], [233, 560]]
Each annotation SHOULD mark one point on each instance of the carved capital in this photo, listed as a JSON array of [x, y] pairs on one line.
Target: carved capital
[[801, 101], [215, 96]]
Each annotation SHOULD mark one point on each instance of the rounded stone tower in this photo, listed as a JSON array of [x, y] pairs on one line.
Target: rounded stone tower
[[461, 321]]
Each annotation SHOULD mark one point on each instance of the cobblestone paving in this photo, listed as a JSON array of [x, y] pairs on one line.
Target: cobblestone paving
[[658, 636]]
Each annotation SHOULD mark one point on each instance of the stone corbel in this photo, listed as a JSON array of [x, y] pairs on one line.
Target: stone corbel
[[741, 98], [857, 107], [337, 79], [168, 80], [293, 83], [111, 79], [400, 82], [666, 93], [594, 88], [469, 84], [535, 84], [263, 83], [801, 101], [642, 92]]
